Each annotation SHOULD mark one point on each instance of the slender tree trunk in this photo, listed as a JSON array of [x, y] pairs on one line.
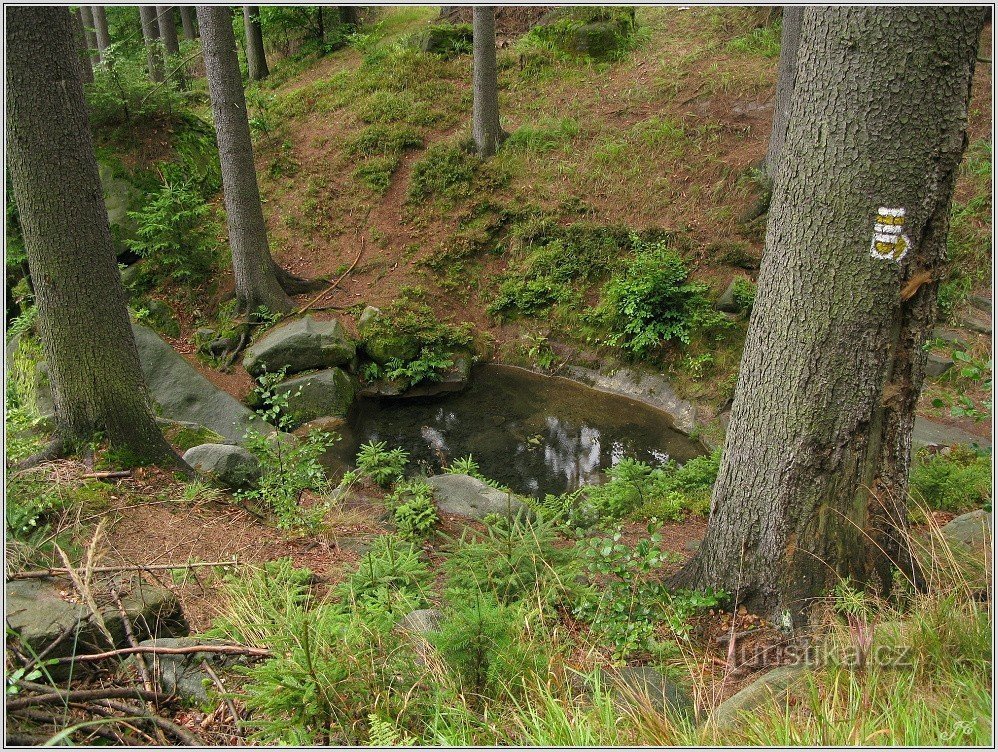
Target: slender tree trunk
[[87, 17], [256, 58], [150, 35], [813, 480], [168, 29], [80, 40], [187, 21], [320, 30], [485, 86], [255, 272], [349, 16], [789, 42], [93, 363], [100, 27]]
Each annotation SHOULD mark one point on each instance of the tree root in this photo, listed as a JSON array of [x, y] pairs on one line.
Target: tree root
[[56, 449]]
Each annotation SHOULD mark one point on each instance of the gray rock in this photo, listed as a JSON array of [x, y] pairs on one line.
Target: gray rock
[[160, 316], [773, 686], [131, 276], [328, 423], [41, 390], [153, 611], [300, 346], [183, 394], [937, 365], [980, 302], [10, 349], [367, 317], [666, 696], [470, 497], [972, 529], [727, 302], [120, 197], [317, 395], [182, 674], [384, 346], [692, 545], [422, 620], [976, 321], [949, 336], [230, 466], [930, 433], [454, 379]]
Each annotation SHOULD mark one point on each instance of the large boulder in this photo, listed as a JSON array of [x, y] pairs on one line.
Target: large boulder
[[182, 674], [120, 197], [972, 529], [929, 433], [454, 379], [231, 467], [446, 39], [183, 394], [301, 345], [772, 687], [665, 696], [317, 395], [470, 497]]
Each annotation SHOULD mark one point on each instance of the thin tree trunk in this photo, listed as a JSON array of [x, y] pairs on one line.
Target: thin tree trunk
[[256, 58], [187, 20], [813, 481], [254, 269], [93, 363], [168, 29], [320, 24], [80, 40], [100, 27], [87, 17], [150, 35], [789, 42], [349, 15], [485, 86]]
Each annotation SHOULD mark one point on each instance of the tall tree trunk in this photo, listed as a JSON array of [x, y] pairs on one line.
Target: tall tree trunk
[[80, 40], [349, 15], [168, 29], [255, 272], [813, 479], [93, 363], [320, 26], [188, 22], [150, 35], [87, 17], [100, 27], [789, 42], [485, 86], [256, 58]]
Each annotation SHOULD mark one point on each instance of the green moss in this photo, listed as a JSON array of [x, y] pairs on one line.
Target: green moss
[[955, 482], [184, 437]]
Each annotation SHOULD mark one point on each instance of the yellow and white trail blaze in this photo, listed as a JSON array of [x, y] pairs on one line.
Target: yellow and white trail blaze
[[889, 240]]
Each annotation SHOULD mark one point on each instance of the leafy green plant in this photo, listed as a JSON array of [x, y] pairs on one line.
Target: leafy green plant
[[977, 372], [957, 481], [429, 366], [464, 466], [382, 465], [412, 507], [175, 236], [744, 293], [652, 301], [390, 580]]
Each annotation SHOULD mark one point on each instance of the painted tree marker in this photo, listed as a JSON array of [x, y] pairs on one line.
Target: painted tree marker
[[889, 241]]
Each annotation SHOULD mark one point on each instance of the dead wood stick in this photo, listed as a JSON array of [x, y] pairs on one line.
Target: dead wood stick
[[143, 668], [38, 573], [221, 690], [324, 293], [176, 730], [54, 696], [151, 649], [101, 474]]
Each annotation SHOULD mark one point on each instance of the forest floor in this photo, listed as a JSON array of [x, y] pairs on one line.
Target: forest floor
[[666, 137]]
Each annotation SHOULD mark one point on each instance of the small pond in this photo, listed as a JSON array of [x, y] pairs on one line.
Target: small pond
[[532, 433]]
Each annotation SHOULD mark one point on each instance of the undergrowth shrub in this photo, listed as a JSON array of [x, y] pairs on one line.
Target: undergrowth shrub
[[413, 509], [123, 94], [382, 465], [390, 580], [958, 481], [652, 301], [448, 172]]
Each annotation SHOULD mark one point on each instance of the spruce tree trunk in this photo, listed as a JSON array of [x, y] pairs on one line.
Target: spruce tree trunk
[[82, 53], [92, 360], [254, 269], [87, 17], [100, 27], [150, 35], [168, 29], [349, 15], [814, 474], [188, 22], [485, 86], [256, 58], [789, 42]]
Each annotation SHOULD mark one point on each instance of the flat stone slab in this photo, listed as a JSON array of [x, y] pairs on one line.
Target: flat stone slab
[[972, 529], [470, 497], [454, 379], [771, 687], [930, 433], [300, 345], [183, 394]]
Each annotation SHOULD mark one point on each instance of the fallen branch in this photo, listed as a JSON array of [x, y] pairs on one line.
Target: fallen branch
[[185, 736], [152, 649], [324, 293], [222, 693], [102, 474], [54, 696], [38, 573]]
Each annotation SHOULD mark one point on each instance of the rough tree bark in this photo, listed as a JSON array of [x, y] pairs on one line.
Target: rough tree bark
[[100, 27], [150, 35], [93, 363], [256, 57], [349, 15], [187, 20], [82, 53], [814, 473], [87, 17], [485, 85], [168, 29], [255, 272], [787, 75]]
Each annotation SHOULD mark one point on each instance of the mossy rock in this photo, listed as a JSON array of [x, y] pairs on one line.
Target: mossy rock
[[380, 344], [185, 435], [159, 316], [324, 393], [448, 40], [595, 32]]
